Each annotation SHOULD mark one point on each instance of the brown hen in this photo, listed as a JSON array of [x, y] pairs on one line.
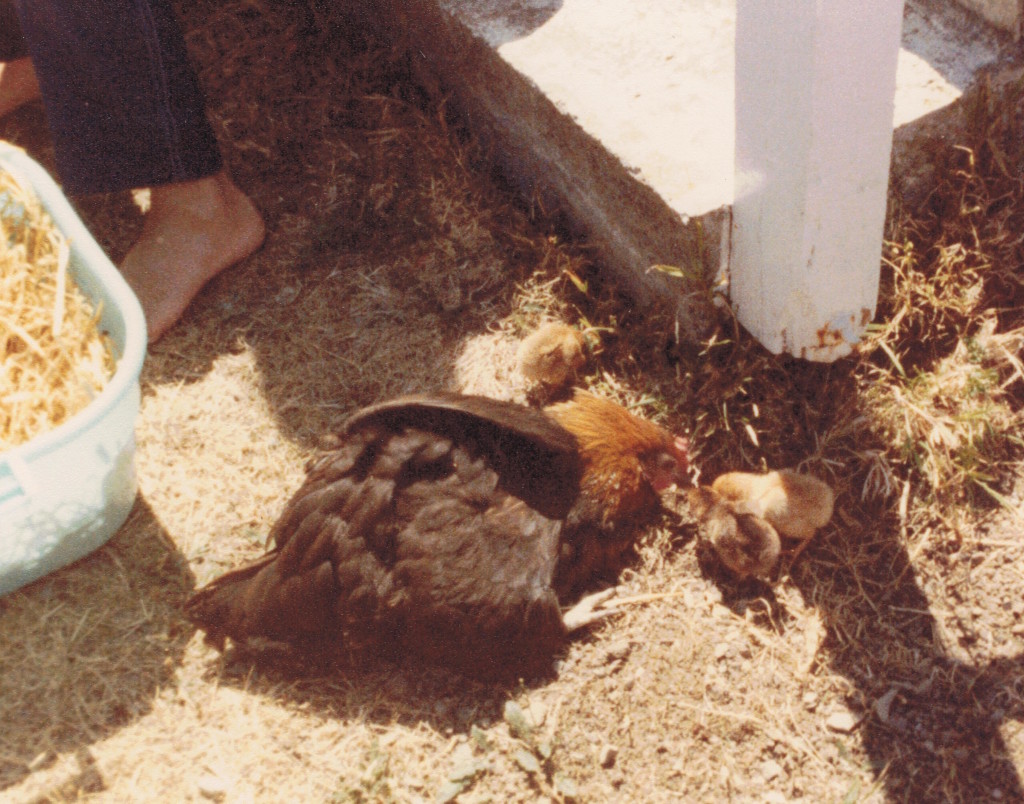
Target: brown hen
[[450, 528]]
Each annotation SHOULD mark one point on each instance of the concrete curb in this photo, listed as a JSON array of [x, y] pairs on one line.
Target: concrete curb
[[549, 158]]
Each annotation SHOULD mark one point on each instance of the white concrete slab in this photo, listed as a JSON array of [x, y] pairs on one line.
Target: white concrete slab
[[653, 81]]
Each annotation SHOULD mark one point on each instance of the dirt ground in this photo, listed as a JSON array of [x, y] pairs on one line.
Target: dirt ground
[[884, 664]]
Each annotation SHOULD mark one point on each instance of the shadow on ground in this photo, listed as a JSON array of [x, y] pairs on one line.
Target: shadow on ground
[[88, 647], [930, 721]]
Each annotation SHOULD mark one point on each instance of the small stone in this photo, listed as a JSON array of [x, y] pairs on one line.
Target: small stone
[[810, 701], [883, 706], [465, 766], [536, 712], [212, 787], [721, 650], [618, 651], [564, 786], [770, 769], [607, 755], [449, 792], [479, 738], [775, 797], [997, 794], [526, 760], [842, 722], [517, 721], [286, 295]]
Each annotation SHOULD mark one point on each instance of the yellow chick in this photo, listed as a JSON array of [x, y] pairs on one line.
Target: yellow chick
[[795, 504], [552, 354], [745, 542]]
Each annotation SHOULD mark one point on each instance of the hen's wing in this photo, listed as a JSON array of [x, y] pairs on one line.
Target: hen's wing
[[536, 458], [433, 528]]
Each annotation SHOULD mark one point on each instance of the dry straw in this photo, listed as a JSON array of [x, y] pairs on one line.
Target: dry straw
[[53, 358]]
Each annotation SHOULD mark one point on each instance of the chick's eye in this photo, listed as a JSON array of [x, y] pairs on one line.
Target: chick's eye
[[666, 463]]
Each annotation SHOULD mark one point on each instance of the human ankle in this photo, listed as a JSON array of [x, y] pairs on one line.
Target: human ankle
[[18, 85]]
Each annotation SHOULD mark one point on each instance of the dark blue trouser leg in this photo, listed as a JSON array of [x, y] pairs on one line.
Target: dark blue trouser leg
[[123, 102], [12, 44]]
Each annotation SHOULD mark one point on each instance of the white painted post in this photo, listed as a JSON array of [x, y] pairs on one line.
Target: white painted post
[[815, 82]]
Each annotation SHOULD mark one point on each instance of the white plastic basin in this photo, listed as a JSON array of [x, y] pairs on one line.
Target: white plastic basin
[[65, 493]]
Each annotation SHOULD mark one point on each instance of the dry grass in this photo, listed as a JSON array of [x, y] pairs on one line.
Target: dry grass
[[883, 664], [946, 391], [53, 358]]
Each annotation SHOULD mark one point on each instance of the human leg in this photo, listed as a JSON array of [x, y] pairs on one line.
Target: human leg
[[123, 103], [12, 43], [18, 84], [126, 111]]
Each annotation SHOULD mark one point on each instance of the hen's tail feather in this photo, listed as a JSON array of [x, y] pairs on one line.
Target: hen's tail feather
[[217, 606], [256, 600]]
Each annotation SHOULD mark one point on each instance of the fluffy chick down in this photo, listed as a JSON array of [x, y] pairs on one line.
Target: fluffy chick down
[[745, 542], [795, 504], [552, 354]]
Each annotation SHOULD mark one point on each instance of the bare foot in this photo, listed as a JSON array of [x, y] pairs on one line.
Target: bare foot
[[18, 84], [193, 231]]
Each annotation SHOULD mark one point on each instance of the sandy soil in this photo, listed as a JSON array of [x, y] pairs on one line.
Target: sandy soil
[[884, 665]]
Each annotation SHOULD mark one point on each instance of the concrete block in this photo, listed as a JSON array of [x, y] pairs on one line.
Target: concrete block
[[538, 107], [621, 114]]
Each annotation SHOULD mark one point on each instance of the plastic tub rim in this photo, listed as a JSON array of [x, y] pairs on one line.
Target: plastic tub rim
[[129, 363]]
